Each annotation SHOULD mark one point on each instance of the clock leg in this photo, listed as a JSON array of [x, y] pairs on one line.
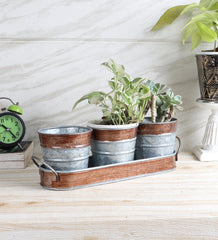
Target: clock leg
[[20, 146]]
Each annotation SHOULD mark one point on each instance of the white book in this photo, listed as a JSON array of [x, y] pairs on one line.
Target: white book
[[15, 157]]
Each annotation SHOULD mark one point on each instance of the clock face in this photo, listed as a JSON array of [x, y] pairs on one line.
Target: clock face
[[12, 129]]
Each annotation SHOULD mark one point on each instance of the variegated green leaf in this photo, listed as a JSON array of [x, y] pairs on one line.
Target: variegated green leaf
[[214, 6], [112, 84], [206, 4], [95, 97], [189, 8], [188, 32], [207, 34], [196, 39], [169, 16]]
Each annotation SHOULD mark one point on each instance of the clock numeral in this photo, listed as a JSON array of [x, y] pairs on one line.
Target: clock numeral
[[2, 120], [3, 138], [16, 123], [8, 140], [17, 134], [12, 120], [6, 118]]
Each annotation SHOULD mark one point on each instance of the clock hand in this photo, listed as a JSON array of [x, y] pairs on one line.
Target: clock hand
[[8, 130], [12, 134], [4, 126]]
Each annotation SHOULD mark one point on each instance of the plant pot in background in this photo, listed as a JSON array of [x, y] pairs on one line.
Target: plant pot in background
[[66, 148], [155, 139], [207, 64], [113, 143]]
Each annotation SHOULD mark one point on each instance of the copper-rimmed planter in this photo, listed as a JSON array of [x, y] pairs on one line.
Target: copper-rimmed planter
[[113, 143], [66, 148], [155, 139]]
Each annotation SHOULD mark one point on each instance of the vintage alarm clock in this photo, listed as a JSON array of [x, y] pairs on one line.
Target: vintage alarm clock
[[12, 127]]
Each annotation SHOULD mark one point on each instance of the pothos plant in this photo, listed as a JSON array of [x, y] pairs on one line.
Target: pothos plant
[[162, 103], [202, 25], [125, 102]]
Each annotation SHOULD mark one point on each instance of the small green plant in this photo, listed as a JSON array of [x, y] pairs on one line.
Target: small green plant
[[126, 101], [202, 25], [162, 103]]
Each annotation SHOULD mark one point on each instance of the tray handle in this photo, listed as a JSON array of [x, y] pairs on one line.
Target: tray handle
[[177, 152], [35, 159]]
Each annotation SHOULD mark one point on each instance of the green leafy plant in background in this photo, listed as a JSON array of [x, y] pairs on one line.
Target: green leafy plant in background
[[162, 103], [203, 23], [126, 101]]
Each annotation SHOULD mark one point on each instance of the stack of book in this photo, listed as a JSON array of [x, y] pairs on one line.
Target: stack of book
[[15, 157]]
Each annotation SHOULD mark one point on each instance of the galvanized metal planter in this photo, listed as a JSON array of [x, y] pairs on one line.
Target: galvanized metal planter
[[155, 139], [112, 144], [66, 148], [207, 63], [92, 176]]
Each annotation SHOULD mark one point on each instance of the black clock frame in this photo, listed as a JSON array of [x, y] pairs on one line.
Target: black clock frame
[[9, 145]]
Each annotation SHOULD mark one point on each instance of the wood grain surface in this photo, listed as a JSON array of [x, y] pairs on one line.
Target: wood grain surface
[[182, 204]]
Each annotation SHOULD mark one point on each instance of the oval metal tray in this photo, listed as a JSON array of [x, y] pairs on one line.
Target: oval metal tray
[[92, 176]]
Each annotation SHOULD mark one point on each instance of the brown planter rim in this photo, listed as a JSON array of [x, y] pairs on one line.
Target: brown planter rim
[[149, 128], [113, 132], [50, 138]]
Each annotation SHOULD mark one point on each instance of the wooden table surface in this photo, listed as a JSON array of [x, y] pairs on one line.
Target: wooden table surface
[[181, 204]]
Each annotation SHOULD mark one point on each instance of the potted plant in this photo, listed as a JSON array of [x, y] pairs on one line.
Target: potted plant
[[156, 135], [201, 27], [114, 136]]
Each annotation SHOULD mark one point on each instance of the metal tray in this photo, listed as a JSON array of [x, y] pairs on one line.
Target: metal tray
[[92, 176]]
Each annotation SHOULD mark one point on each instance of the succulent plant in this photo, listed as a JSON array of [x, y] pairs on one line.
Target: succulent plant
[[163, 103]]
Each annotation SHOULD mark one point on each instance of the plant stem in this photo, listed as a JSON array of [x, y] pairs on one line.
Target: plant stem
[[170, 114], [162, 118], [153, 108]]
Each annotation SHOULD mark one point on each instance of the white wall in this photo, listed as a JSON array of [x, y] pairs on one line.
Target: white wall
[[51, 51]]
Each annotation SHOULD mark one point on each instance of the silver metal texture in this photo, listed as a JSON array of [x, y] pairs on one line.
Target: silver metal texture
[[64, 130], [36, 159], [65, 159], [106, 152], [111, 152], [148, 146]]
